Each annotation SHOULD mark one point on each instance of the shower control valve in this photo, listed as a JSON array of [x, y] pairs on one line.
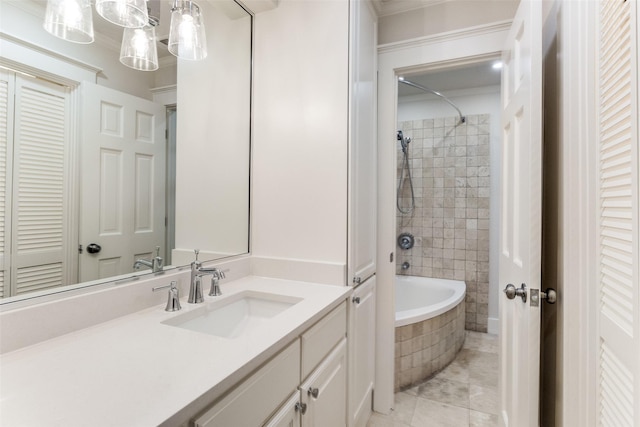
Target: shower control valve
[[406, 241]]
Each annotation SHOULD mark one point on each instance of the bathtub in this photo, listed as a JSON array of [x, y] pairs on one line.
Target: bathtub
[[422, 298], [430, 318]]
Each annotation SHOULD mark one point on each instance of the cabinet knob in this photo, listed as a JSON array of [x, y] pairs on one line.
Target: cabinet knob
[[302, 407], [355, 300], [313, 391], [357, 280]]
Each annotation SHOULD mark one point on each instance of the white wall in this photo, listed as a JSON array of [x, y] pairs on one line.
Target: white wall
[[470, 101], [299, 171]]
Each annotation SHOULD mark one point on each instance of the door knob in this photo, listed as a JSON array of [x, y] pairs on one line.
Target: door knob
[[549, 295], [302, 407], [313, 391], [93, 248], [513, 292]]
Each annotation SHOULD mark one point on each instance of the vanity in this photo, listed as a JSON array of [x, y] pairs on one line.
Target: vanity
[[111, 355], [146, 368]]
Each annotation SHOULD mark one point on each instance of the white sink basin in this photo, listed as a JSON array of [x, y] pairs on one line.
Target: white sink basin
[[235, 315]]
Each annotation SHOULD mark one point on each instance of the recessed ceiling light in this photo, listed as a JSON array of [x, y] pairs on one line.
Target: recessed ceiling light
[[497, 65]]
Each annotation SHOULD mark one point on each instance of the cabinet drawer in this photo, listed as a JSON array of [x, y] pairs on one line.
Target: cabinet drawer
[[321, 338], [253, 401]]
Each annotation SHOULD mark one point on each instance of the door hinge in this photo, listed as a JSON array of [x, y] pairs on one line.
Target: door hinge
[[391, 257]]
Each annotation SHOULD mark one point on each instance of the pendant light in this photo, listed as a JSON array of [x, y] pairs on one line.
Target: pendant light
[[126, 13], [187, 39], [138, 50], [69, 20]]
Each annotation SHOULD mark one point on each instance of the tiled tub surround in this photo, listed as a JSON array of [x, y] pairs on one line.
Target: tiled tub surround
[[450, 168], [425, 348]]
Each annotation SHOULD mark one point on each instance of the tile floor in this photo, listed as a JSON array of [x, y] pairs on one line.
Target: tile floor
[[464, 394]]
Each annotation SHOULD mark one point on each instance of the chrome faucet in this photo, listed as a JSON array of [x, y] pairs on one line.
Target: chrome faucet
[[197, 272], [155, 264]]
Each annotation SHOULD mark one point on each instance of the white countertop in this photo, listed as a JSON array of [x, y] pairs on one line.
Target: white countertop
[[136, 371]]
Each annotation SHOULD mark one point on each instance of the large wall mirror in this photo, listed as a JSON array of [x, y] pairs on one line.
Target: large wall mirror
[[105, 169]]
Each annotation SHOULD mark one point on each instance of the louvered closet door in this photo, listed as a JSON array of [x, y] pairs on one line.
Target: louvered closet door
[[618, 393], [7, 88], [39, 200]]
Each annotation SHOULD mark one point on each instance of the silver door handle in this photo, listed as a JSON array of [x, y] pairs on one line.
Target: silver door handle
[[513, 292]]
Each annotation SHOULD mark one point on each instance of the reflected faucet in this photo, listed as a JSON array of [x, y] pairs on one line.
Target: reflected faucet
[[155, 264], [197, 272]]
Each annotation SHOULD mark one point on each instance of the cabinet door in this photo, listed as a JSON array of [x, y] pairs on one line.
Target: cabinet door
[[362, 319], [362, 143], [289, 414], [325, 392], [253, 400]]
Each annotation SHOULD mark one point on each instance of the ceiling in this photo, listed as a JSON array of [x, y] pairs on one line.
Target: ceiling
[[480, 74]]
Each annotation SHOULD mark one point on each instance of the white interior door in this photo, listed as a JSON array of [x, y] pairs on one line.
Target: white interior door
[[520, 224], [122, 151], [617, 295]]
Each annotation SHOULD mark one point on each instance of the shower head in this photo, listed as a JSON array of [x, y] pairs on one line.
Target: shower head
[[403, 141]]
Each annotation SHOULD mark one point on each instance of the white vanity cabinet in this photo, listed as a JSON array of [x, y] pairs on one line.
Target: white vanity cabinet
[[289, 414], [362, 208], [362, 318], [321, 400], [324, 393], [251, 402], [303, 385]]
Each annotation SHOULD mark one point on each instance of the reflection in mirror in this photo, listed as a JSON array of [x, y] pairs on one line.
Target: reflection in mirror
[[110, 172]]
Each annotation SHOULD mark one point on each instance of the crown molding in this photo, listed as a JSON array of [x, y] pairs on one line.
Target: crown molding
[[476, 31]]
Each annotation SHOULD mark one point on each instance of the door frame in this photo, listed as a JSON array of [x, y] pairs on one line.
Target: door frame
[[439, 51]]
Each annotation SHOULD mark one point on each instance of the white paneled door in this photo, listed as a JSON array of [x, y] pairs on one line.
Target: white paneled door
[[123, 152], [520, 223]]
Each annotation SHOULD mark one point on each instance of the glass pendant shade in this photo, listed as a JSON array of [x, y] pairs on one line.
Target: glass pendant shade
[[139, 50], [70, 20], [126, 13], [187, 39]]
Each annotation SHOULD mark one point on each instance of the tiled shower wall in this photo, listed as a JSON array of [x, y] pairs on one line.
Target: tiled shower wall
[[450, 168]]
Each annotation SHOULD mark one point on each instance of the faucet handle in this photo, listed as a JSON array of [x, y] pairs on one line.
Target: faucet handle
[[173, 301], [215, 286], [197, 251], [157, 251]]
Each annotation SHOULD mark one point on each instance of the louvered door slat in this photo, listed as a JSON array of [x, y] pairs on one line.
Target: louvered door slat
[[618, 296], [6, 135], [40, 202]]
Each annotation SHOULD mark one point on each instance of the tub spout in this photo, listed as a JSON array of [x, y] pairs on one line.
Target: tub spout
[[405, 265]]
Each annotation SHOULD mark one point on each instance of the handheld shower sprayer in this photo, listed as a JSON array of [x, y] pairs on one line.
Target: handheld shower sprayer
[[404, 142]]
